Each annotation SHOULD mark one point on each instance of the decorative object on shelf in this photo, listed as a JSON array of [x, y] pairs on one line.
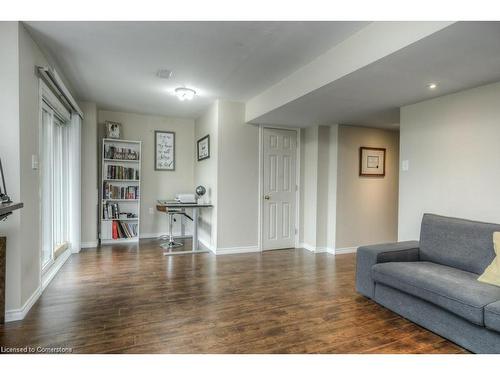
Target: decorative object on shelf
[[200, 191], [203, 148], [113, 129], [4, 198], [164, 151], [371, 162]]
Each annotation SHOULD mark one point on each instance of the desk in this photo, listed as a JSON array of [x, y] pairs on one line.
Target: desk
[[5, 210], [164, 206]]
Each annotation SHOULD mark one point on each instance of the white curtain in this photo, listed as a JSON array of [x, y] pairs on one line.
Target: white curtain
[[75, 183]]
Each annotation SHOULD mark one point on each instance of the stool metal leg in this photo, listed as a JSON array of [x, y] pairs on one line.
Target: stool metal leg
[[171, 244]]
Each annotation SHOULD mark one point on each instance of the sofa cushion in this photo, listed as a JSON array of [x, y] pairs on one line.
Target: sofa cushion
[[492, 316], [457, 243], [452, 289]]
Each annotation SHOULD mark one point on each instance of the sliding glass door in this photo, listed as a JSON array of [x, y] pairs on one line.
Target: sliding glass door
[[55, 194]]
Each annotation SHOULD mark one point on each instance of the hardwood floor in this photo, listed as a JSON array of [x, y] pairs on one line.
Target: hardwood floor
[[132, 299]]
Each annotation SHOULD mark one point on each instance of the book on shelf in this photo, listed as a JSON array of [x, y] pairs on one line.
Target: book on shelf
[[124, 230], [112, 211], [111, 191], [116, 172], [120, 153]]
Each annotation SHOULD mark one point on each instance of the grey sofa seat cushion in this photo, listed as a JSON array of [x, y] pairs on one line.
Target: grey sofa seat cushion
[[459, 243], [452, 289], [492, 316]]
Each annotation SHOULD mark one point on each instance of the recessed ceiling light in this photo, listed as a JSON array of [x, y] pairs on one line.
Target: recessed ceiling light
[[432, 86], [184, 93], [164, 73]]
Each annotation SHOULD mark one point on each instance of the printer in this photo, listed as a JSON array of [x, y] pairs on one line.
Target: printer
[[185, 198]]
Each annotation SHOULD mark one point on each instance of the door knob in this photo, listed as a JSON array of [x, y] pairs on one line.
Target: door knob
[[267, 197]]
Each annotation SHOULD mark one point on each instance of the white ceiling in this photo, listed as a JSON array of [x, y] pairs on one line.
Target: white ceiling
[[461, 56], [115, 63]]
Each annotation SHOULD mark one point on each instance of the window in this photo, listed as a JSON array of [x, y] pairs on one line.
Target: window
[[55, 184]]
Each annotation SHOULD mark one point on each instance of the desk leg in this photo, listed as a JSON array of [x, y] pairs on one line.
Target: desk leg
[[3, 261], [195, 229]]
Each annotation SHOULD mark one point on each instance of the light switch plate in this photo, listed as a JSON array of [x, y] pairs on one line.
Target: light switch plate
[[34, 162], [405, 165]]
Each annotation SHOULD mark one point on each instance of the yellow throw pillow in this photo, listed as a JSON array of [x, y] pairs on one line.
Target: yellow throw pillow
[[491, 274]]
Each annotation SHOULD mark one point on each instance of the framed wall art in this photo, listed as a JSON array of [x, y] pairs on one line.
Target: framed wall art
[[113, 129], [164, 151], [371, 162], [203, 147]]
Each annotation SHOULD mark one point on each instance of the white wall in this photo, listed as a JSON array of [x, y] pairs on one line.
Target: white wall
[[323, 187], [231, 177], [318, 187], [10, 154], [452, 144], [90, 181], [19, 142], [157, 184], [367, 207], [29, 111], [309, 185], [205, 174], [332, 187], [238, 179]]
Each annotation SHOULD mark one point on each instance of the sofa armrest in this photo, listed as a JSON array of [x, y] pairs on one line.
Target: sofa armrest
[[367, 256]]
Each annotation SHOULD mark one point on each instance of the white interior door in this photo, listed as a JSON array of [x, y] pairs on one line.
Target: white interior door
[[279, 189]]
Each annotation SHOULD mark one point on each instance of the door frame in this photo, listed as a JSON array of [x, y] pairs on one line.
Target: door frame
[[261, 182]]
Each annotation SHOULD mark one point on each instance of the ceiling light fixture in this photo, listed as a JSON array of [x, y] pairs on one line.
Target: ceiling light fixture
[[184, 93], [432, 86]]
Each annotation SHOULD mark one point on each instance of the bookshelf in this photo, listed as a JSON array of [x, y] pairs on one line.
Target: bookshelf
[[120, 207]]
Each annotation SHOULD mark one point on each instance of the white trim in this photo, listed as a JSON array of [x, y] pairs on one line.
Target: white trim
[[120, 240], [346, 250], [314, 249], [50, 75], [88, 245], [56, 266], [330, 250], [260, 221], [237, 250], [20, 314], [207, 245]]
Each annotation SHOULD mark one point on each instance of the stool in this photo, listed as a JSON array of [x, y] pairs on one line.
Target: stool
[[171, 243]]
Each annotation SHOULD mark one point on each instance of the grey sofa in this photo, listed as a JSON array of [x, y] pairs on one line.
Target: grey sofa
[[433, 282]]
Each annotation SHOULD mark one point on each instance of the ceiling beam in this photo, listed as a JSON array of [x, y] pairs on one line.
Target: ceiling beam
[[375, 41]]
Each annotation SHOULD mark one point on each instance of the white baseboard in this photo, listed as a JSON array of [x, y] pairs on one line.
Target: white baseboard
[[20, 314], [54, 269], [314, 249], [88, 245], [329, 250], [346, 250], [207, 245], [237, 250]]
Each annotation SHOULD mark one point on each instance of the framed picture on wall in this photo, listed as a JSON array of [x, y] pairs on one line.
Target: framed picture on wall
[[164, 151], [203, 147], [371, 162]]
